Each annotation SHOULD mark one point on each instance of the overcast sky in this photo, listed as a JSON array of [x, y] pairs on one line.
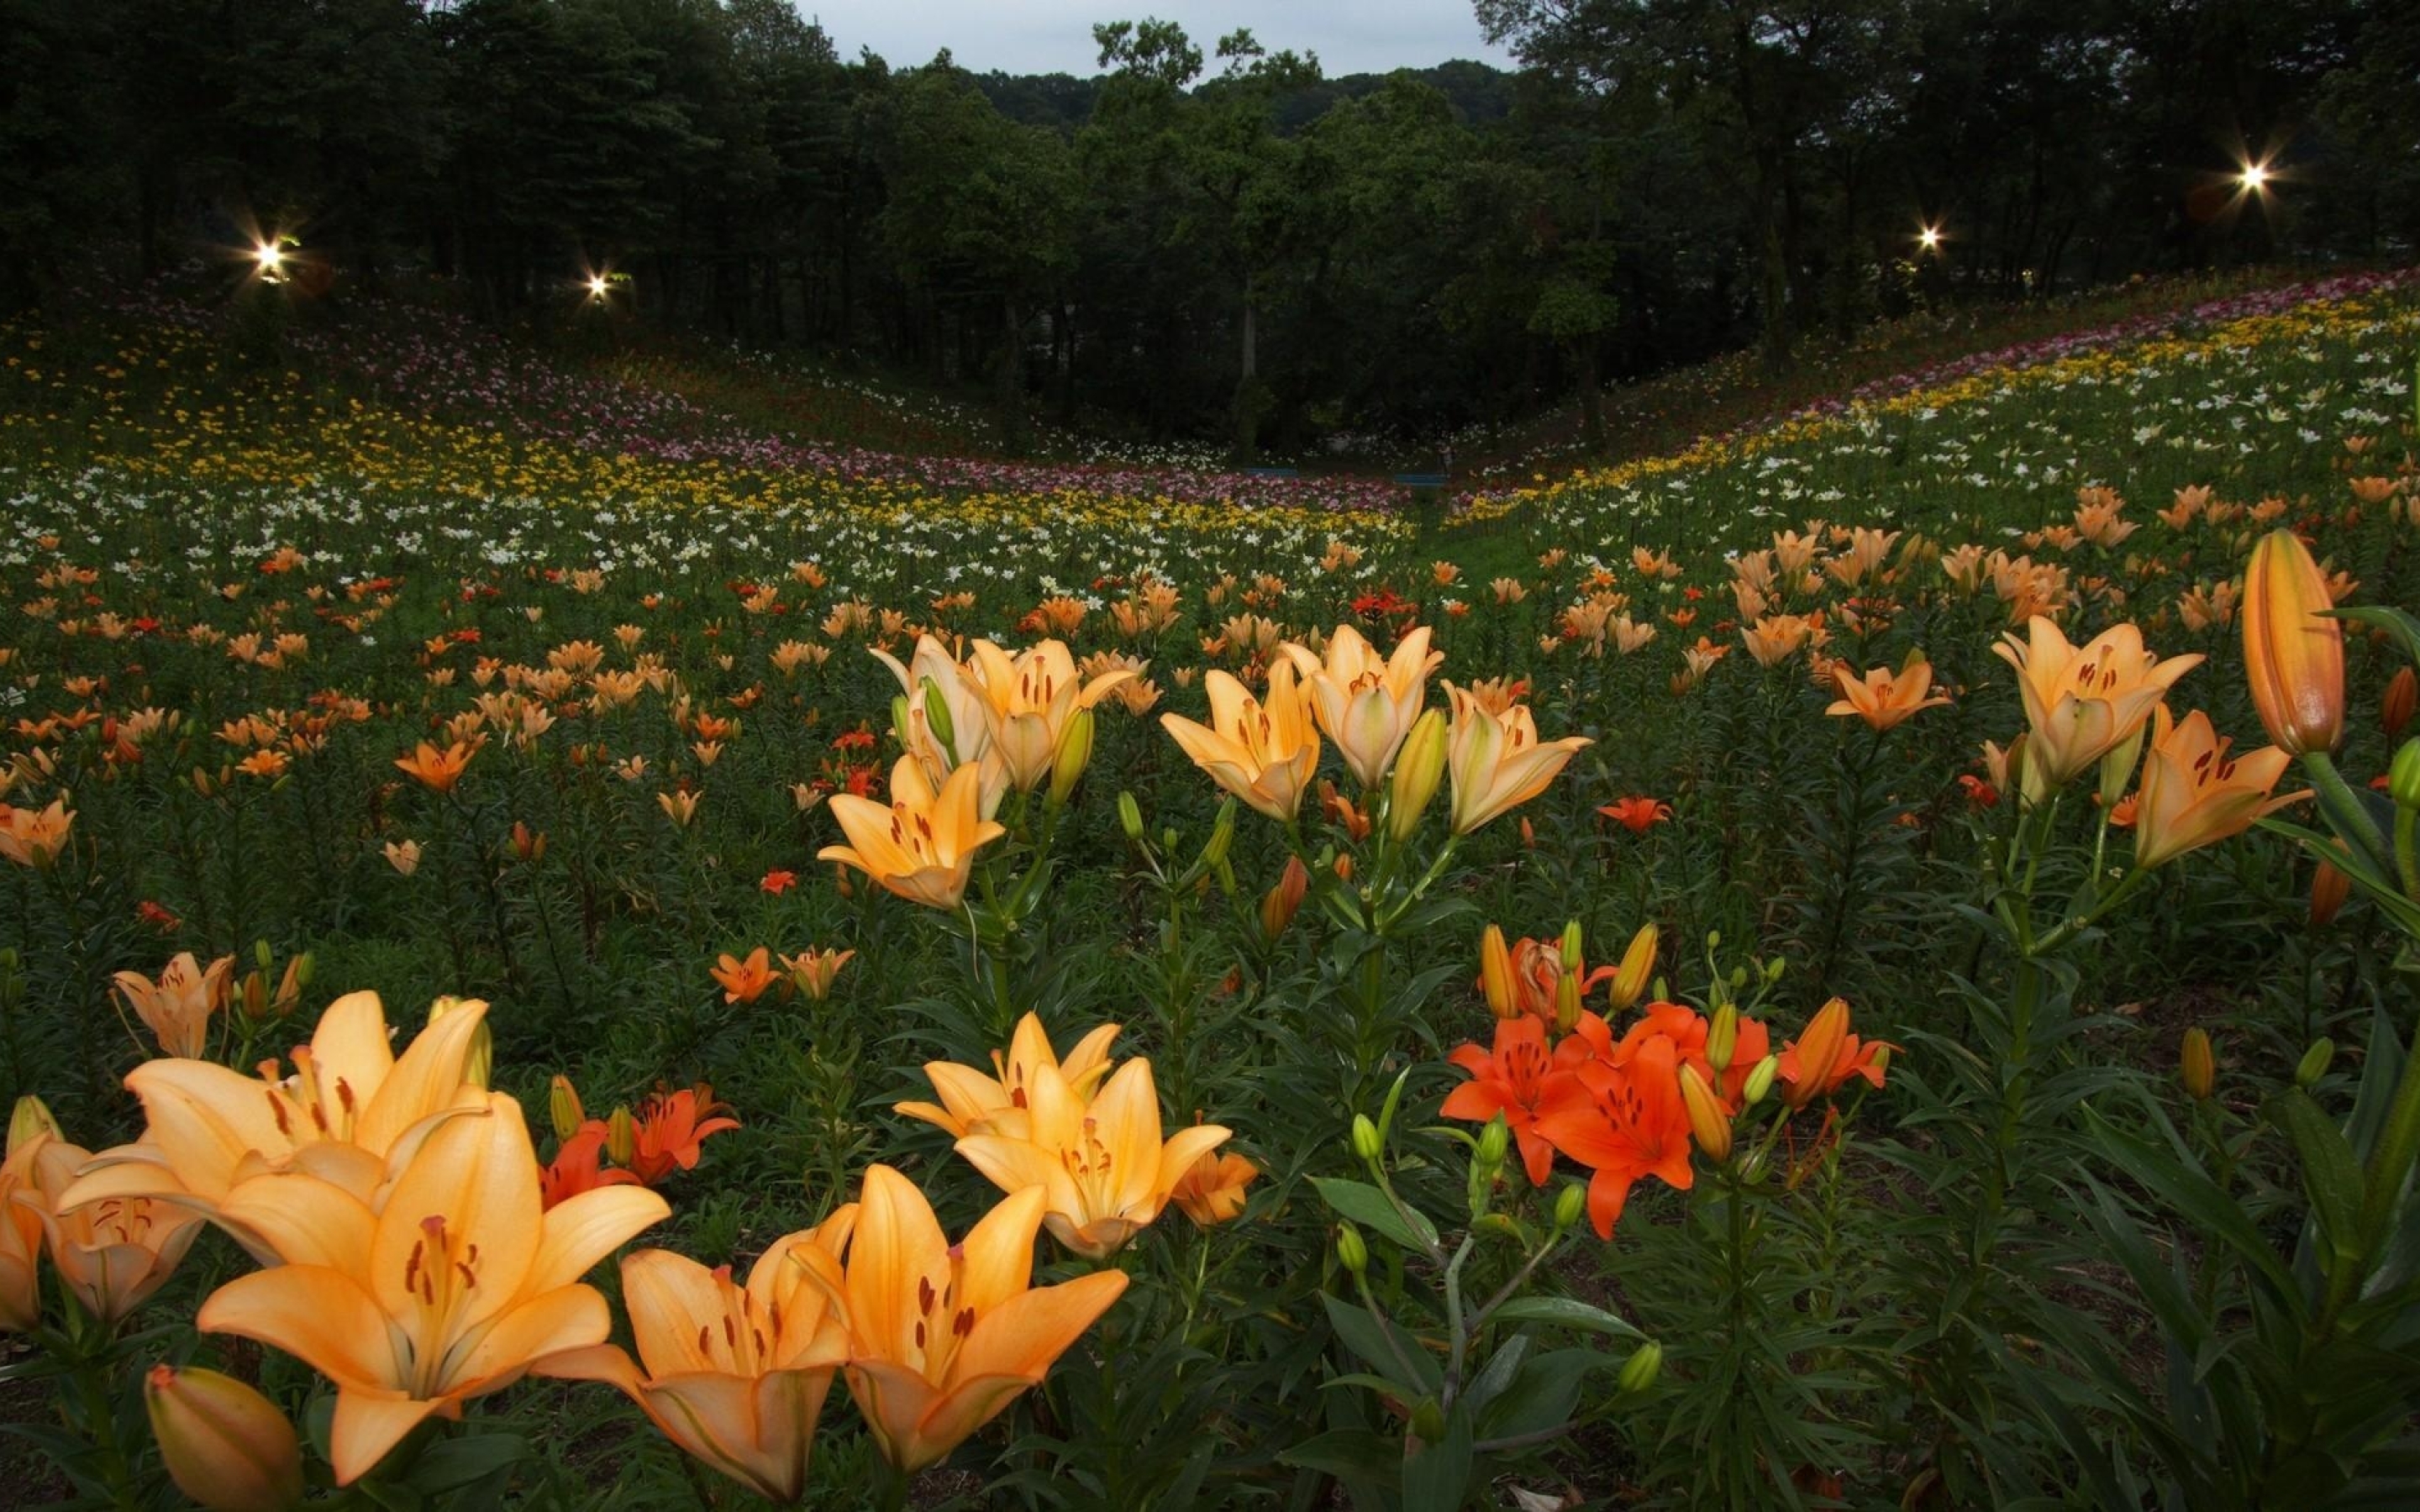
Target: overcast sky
[[1056, 35]]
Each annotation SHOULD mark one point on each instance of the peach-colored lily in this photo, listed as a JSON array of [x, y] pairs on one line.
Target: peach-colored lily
[[111, 1253], [921, 844], [973, 1102], [1498, 763], [1102, 1164], [1027, 704], [1365, 704], [348, 1104], [35, 836], [1263, 750], [735, 1375], [2192, 795], [943, 1338], [2293, 653], [177, 1008], [21, 1222], [444, 1290], [1884, 698], [1211, 1191], [2084, 701]]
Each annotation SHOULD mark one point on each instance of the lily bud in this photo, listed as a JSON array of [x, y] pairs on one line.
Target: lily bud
[[1343, 866], [1418, 768], [2328, 889], [562, 1107], [2315, 1063], [30, 1121], [1365, 1138], [2402, 700], [1818, 1050], [1572, 960], [1571, 1203], [1130, 818], [936, 718], [2198, 1064], [2293, 654], [899, 725], [1722, 1038], [1638, 964], [1760, 1081], [1640, 1371], [1496, 973], [1222, 835], [1708, 1125], [621, 1136], [1494, 1142], [528, 844], [1279, 904], [1351, 1249], [2403, 778], [1075, 753], [225, 1446]]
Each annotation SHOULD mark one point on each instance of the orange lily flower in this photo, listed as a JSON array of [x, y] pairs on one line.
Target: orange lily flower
[[2294, 653], [1263, 750], [1498, 763], [1519, 1078], [21, 1221], [921, 844], [349, 1102], [1027, 703], [2084, 701], [735, 1375], [578, 1167], [943, 1338], [973, 1102], [444, 1291], [744, 981], [1211, 1191], [1624, 1122], [34, 838], [670, 1128], [178, 1007], [2192, 795], [1884, 698], [1822, 1060], [436, 770], [1364, 704], [813, 972], [1637, 815], [1101, 1165]]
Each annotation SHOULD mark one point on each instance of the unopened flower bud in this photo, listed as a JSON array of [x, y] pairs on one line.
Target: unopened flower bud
[[1280, 902], [225, 1446], [1075, 753], [1495, 1141], [1130, 818], [562, 1107], [1570, 1204], [2315, 1063], [1760, 1081], [2198, 1064], [1496, 973], [1350, 1248], [2401, 701], [1222, 835], [621, 1137], [1567, 1002], [1708, 1125], [936, 718], [528, 844], [1343, 866], [1418, 767], [1365, 1138], [899, 724], [30, 1121], [1572, 960], [2403, 778], [1638, 964], [1640, 1371], [2330, 887], [1722, 1038]]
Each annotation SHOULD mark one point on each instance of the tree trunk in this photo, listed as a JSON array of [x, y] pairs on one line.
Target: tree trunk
[[1012, 374], [1248, 397]]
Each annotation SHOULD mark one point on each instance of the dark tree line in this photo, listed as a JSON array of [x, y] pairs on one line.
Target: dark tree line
[[1218, 243]]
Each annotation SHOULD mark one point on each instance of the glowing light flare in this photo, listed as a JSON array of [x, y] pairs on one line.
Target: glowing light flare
[[596, 286], [269, 260], [1928, 238], [2255, 178]]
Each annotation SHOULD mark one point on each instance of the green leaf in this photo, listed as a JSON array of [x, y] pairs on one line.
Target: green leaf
[[1545, 1396], [2199, 1199], [2331, 1175], [1354, 1456], [1373, 1209], [2395, 622], [1384, 1347], [1565, 1312], [1499, 1373], [1437, 1475]]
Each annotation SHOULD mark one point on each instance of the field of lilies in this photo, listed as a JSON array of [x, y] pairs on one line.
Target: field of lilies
[[563, 944]]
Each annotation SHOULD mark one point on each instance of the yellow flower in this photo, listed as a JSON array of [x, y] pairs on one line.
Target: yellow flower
[[1262, 751], [349, 1104], [2192, 795], [735, 1375], [1364, 704], [943, 1338], [2084, 701], [973, 1102], [1498, 763], [445, 1290], [2294, 653], [178, 1007], [1104, 1168], [921, 844], [1882, 697]]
